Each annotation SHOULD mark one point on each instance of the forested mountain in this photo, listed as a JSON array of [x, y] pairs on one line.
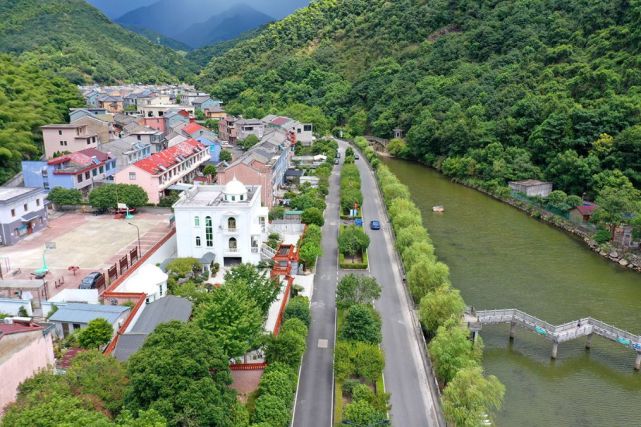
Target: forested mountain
[[224, 26], [78, 42], [203, 55], [502, 89], [29, 98], [160, 39]]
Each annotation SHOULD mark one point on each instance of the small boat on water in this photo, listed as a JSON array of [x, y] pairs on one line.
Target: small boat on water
[[438, 208]]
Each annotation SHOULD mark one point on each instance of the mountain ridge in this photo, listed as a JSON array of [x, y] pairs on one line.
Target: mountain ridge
[[77, 41]]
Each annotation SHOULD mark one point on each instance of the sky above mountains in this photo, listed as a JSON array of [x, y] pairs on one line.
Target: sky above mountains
[[274, 8]]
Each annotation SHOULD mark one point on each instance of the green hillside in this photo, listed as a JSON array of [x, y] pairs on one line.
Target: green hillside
[[76, 41], [486, 90], [29, 98]]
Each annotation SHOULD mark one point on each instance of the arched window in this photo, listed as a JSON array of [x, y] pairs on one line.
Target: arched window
[[209, 232], [233, 245], [197, 241], [196, 221], [231, 224]]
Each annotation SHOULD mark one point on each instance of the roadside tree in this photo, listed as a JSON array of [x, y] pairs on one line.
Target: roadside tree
[[471, 397], [362, 323], [439, 306], [357, 289]]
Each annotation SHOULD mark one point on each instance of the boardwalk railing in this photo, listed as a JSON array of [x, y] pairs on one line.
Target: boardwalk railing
[[585, 327]]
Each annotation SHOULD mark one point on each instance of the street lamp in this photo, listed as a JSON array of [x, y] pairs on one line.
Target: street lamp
[[137, 231]]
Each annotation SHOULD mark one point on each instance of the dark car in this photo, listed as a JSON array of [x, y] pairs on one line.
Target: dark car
[[356, 157], [336, 161], [375, 225], [92, 281]]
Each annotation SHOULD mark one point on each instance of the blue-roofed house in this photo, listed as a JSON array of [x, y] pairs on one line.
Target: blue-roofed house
[[74, 316], [214, 148]]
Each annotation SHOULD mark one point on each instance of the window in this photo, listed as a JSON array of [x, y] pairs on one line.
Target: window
[[37, 202], [298, 130], [132, 176], [13, 212], [79, 178], [59, 132], [196, 221], [88, 141], [93, 139], [26, 207], [233, 245], [87, 175], [197, 241], [231, 224], [307, 128], [62, 143], [233, 198], [101, 169], [76, 326], [94, 172], [138, 137], [209, 232]]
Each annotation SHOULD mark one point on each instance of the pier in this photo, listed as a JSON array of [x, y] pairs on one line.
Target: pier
[[586, 327]]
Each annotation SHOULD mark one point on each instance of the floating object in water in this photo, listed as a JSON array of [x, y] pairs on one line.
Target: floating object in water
[[438, 208]]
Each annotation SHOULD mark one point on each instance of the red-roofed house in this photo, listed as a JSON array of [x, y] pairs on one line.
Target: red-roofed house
[[79, 170], [25, 349], [194, 130], [177, 164], [582, 214]]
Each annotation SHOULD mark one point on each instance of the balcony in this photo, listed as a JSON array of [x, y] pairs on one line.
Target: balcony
[[254, 249], [232, 249]]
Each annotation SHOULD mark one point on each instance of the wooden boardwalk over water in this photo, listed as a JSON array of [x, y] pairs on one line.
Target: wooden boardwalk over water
[[585, 327]]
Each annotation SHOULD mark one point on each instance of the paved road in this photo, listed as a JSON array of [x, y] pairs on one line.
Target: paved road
[[412, 400], [314, 401]]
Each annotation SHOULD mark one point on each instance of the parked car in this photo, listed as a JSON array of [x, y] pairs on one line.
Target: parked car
[[336, 161], [356, 157], [375, 225], [92, 281]]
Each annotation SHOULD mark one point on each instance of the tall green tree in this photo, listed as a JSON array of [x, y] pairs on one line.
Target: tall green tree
[[182, 372], [471, 397], [233, 318], [97, 333], [357, 289]]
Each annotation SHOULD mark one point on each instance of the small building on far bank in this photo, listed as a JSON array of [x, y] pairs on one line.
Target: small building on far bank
[[582, 214], [531, 187]]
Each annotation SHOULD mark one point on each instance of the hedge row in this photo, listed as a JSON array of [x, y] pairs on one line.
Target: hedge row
[[310, 246], [358, 367], [441, 307], [350, 186], [278, 384]]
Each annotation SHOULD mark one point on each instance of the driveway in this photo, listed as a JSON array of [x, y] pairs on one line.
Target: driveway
[[314, 399]]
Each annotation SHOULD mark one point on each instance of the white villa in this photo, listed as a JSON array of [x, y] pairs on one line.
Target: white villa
[[221, 223]]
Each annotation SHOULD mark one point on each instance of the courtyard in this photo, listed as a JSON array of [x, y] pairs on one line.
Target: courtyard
[[86, 241]]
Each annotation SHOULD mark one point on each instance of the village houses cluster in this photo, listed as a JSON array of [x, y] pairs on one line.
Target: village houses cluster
[[62, 268]]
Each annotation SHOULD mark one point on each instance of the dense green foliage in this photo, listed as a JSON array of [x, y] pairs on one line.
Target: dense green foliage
[[29, 98], [76, 41], [91, 393], [182, 372], [108, 196], [64, 196], [490, 91], [356, 289], [310, 246], [97, 333]]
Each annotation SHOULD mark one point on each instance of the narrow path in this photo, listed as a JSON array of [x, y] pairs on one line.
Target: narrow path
[[413, 396], [314, 401]]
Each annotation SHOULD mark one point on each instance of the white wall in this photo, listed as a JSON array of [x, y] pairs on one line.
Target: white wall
[[11, 306]]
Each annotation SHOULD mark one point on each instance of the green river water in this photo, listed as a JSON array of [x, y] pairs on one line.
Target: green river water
[[501, 258]]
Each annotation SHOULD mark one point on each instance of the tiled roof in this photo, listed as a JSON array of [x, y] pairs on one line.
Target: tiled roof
[[84, 313], [192, 128], [586, 209], [169, 157], [18, 328], [81, 158]]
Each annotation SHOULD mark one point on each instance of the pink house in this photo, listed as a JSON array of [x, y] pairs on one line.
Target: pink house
[[67, 138], [25, 349], [157, 123], [158, 172]]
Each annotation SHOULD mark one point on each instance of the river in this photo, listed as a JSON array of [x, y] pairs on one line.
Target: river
[[501, 258]]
